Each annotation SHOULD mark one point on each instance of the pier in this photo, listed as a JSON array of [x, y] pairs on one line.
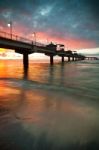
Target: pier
[[91, 58], [25, 47]]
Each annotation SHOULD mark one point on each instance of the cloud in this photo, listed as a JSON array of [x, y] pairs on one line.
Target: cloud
[[65, 19]]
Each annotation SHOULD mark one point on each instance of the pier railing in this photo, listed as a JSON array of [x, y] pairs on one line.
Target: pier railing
[[19, 38]]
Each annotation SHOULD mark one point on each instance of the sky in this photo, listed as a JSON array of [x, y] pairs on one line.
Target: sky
[[74, 23]]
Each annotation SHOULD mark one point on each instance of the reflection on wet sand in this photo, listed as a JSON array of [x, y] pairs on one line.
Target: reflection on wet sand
[[46, 120]]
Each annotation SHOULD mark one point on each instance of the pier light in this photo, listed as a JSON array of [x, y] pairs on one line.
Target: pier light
[[47, 41], [10, 26], [34, 37]]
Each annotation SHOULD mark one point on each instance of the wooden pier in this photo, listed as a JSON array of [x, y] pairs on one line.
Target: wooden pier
[[25, 47]]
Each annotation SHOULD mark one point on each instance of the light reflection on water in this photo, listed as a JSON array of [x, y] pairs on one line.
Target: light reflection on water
[[54, 109]]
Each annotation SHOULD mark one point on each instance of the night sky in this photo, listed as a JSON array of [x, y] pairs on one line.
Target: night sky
[[72, 22]]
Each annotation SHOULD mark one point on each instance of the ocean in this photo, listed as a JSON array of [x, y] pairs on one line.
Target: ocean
[[51, 107]]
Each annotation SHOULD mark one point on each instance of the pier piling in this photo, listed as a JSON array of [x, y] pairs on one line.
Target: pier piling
[[62, 59], [68, 58], [51, 60], [25, 61]]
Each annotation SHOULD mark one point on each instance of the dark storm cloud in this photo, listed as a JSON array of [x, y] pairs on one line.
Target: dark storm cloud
[[61, 18]]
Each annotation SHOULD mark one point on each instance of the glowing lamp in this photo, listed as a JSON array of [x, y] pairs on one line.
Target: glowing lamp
[[9, 25]]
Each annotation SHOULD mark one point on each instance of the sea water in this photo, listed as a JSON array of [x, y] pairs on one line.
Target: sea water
[[51, 107]]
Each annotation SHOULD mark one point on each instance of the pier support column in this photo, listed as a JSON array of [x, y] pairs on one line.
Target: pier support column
[[51, 60], [25, 61], [62, 59], [68, 58]]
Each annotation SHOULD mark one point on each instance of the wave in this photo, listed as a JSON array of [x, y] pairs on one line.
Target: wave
[[73, 90]]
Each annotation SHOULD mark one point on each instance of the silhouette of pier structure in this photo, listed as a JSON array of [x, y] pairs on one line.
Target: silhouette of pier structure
[[91, 58], [25, 47]]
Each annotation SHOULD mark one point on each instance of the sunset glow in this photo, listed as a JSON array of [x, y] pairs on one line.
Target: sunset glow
[[52, 22], [2, 50]]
